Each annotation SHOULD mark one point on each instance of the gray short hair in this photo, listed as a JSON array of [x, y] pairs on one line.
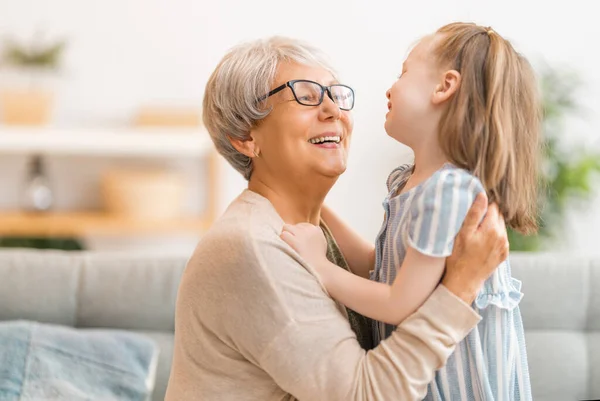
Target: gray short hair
[[246, 73]]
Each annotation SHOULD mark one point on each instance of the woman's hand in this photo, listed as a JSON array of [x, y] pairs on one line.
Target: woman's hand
[[308, 240], [479, 249]]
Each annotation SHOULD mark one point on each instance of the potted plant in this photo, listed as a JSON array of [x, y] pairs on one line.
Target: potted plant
[[25, 95], [568, 169]]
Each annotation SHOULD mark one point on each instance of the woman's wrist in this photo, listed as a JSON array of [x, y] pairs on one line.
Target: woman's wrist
[[465, 288]]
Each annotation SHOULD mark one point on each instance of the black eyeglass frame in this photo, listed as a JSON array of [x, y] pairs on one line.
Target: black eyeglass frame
[[290, 84]]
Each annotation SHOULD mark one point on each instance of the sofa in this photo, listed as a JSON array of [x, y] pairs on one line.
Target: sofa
[[137, 292]]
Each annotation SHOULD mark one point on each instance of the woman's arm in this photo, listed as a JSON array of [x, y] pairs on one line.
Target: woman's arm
[[322, 360], [311, 352], [358, 252], [319, 358]]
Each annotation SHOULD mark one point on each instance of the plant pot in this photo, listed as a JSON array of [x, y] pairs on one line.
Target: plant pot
[[25, 107]]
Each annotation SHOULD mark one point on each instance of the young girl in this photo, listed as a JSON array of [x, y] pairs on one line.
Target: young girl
[[467, 105]]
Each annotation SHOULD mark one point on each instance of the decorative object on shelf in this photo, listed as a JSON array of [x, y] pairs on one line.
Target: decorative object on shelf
[[167, 117], [157, 145], [568, 171], [37, 195], [143, 194], [25, 98]]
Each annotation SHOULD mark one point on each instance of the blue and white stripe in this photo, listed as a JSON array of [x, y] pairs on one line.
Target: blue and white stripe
[[491, 363]]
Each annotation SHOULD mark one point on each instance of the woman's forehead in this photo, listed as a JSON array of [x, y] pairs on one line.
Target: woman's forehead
[[288, 71]]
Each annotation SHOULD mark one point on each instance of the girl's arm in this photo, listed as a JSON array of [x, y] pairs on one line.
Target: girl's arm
[[436, 215], [358, 252], [418, 276], [416, 280]]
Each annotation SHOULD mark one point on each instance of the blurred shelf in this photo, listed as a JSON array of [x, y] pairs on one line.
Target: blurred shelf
[[141, 142], [78, 224]]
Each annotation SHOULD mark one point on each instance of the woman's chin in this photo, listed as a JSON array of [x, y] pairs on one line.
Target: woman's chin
[[333, 170]]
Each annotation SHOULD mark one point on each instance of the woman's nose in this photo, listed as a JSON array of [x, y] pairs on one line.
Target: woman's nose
[[331, 108]]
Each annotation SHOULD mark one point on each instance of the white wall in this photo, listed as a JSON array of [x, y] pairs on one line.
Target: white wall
[[124, 53]]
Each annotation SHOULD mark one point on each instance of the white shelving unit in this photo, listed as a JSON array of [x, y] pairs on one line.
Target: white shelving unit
[[133, 142], [137, 142]]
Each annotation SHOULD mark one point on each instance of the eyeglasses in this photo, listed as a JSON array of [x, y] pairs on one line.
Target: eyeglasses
[[309, 93]]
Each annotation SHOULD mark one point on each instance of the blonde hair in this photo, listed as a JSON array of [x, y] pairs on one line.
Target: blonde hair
[[245, 74], [492, 124]]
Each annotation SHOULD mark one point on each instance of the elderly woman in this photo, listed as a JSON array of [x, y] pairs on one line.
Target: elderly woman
[[253, 321]]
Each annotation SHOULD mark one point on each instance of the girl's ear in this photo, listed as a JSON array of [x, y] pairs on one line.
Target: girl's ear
[[448, 87]]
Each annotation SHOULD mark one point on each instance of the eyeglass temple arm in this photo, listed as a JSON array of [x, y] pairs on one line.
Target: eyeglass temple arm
[[274, 91]]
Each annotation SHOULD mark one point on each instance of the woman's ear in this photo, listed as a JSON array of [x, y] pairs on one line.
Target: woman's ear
[[246, 147], [448, 87]]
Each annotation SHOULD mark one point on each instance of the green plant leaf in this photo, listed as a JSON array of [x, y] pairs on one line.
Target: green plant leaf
[[47, 56]]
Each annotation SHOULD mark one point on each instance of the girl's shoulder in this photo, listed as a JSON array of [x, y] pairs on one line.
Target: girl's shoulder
[[398, 175], [451, 177]]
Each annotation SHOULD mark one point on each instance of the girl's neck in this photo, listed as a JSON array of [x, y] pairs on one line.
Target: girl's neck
[[428, 160], [294, 203]]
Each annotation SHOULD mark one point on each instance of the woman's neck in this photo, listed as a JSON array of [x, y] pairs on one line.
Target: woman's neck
[[294, 203]]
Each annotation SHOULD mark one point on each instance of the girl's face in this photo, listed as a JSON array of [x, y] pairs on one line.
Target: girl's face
[[412, 111]]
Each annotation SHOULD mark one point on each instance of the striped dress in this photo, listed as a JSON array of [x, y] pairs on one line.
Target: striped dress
[[490, 364]]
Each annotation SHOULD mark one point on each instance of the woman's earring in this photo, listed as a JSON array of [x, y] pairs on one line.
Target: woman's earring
[[256, 154]]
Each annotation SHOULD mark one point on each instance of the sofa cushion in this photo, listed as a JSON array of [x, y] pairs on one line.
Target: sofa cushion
[[41, 361], [87, 289], [39, 285], [556, 291], [558, 366], [164, 341], [561, 309], [128, 292]]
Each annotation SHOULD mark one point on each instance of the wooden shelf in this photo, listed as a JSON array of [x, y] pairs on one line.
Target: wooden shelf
[[141, 142], [79, 224], [134, 142]]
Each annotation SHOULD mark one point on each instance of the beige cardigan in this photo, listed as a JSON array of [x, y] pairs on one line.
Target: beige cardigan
[[253, 322]]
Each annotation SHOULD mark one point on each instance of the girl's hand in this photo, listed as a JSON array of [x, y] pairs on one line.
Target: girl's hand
[[308, 240]]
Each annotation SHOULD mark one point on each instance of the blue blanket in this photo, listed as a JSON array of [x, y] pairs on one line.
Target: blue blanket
[[48, 362]]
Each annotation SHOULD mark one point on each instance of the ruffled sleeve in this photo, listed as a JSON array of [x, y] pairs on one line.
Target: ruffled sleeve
[[501, 290]]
